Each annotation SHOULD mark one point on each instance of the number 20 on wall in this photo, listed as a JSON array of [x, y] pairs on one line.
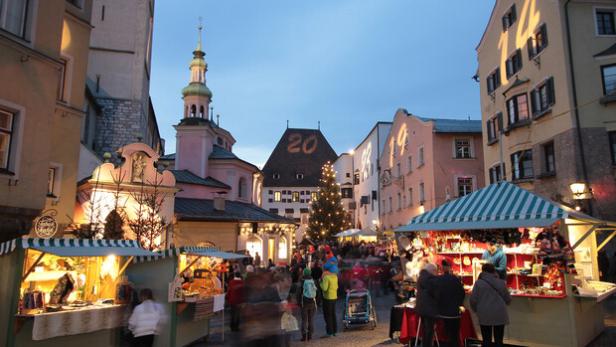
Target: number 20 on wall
[[298, 143]]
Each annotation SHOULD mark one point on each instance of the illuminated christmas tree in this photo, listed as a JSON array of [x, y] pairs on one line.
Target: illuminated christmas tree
[[327, 217]]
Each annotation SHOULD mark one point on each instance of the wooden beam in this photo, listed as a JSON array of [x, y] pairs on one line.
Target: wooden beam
[[123, 268], [191, 264], [606, 240], [38, 260], [586, 234]]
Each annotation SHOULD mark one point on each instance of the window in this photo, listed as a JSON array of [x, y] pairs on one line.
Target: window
[[514, 63], [608, 74], [398, 170], [51, 181], [356, 178], [348, 175], [347, 193], [509, 18], [605, 22], [399, 201], [299, 176], [549, 161], [295, 196], [496, 173], [409, 163], [462, 148], [7, 120], [410, 196], [542, 97], [14, 16], [282, 248], [517, 109], [612, 137], [219, 141], [314, 196], [391, 207], [270, 192], [276, 176], [242, 188], [273, 210], [422, 193], [493, 81], [522, 165], [277, 196], [537, 43], [289, 212], [465, 186], [76, 3], [62, 92], [421, 157], [493, 126]]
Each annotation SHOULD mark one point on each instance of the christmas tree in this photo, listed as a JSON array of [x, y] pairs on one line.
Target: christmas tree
[[327, 217]]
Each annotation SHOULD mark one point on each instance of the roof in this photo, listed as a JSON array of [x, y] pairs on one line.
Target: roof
[[375, 127], [219, 153], [299, 151], [76, 247], [235, 211], [610, 51], [185, 176], [497, 206], [445, 125], [196, 88], [170, 156]]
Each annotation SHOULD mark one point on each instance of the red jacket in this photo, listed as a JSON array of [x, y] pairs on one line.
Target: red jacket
[[235, 292]]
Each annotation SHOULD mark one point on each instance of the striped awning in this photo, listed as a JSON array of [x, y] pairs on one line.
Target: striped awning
[[191, 250], [497, 206], [76, 247]]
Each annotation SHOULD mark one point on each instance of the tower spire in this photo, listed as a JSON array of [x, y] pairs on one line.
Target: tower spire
[[200, 29]]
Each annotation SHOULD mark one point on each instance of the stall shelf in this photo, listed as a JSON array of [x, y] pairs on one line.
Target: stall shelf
[[566, 319], [92, 266], [189, 319]]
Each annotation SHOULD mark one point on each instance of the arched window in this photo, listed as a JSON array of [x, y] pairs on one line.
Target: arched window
[[282, 248], [241, 188], [193, 110], [201, 111]]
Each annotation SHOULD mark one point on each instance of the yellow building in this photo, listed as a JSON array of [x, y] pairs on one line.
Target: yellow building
[[547, 71], [44, 54]]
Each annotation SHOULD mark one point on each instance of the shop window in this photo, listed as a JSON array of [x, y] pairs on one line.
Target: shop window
[[612, 138], [517, 109], [522, 165], [465, 186], [542, 98], [493, 81], [549, 159], [538, 42], [462, 148], [605, 22], [277, 196], [514, 63], [295, 196], [608, 75], [509, 18]]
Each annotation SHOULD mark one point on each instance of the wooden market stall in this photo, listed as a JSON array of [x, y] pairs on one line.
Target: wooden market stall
[[64, 292], [186, 280], [553, 304]]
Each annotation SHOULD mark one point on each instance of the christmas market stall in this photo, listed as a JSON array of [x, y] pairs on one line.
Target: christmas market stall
[[547, 253], [64, 292], [190, 281]]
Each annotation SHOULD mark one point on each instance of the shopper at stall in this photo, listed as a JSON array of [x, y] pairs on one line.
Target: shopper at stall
[[235, 297], [307, 294], [257, 260], [329, 285], [496, 256], [146, 319], [489, 301], [450, 297], [426, 304]]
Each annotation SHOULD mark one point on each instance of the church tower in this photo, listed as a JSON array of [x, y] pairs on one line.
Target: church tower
[[197, 96]]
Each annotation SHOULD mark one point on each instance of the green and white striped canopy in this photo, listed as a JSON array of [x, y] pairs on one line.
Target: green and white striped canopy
[[76, 247], [191, 250], [497, 206]]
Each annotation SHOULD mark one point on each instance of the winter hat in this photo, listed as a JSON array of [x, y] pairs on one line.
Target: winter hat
[[307, 272]]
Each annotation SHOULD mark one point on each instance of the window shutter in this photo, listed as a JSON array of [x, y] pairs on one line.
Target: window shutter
[[499, 121], [533, 101], [518, 62], [551, 92], [504, 20], [513, 14], [544, 34], [531, 48], [497, 78]]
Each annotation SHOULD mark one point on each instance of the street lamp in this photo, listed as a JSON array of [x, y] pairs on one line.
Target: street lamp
[[580, 191]]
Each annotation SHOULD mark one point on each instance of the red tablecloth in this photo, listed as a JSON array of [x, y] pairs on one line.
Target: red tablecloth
[[410, 319]]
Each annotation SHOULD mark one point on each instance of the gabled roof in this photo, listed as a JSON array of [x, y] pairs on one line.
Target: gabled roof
[[444, 125], [235, 211], [221, 153], [299, 151], [185, 176], [497, 206]]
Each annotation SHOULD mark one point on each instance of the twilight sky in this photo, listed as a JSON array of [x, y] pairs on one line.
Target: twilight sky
[[347, 63]]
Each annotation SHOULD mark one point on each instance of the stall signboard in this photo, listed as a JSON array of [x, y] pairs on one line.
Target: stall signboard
[[46, 225]]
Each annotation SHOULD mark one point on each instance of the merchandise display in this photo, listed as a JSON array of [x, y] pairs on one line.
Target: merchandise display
[[200, 277]]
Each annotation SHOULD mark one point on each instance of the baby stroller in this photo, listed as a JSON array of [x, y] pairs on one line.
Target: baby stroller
[[358, 309]]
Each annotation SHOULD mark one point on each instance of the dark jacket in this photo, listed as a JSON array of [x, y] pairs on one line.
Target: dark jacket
[[426, 304], [449, 295], [489, 300]]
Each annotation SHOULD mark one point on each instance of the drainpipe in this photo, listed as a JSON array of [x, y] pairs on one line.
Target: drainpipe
[[575, 104]]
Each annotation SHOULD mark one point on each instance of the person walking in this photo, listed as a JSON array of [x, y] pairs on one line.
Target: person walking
[[317, 273], [257, 261], [307, 293], [235, 297], [329, 286], [450, 297], [426, 304], [145, 320], [489, 301]]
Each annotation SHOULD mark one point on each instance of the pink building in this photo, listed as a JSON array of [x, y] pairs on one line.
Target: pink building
[[427, 162]]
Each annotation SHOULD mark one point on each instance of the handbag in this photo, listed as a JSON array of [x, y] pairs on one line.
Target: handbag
[[288, 322]]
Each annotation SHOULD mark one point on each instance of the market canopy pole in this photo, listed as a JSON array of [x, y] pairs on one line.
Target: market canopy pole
[[23, 278], [608, 239]]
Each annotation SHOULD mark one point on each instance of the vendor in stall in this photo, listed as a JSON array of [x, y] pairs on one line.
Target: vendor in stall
[[553, 248], [495, 255]]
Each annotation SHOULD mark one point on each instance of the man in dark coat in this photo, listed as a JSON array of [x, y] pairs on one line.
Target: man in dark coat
[[426, 304], [450, 296]]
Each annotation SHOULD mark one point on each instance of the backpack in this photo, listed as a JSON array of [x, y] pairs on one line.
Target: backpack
[[310, 289]]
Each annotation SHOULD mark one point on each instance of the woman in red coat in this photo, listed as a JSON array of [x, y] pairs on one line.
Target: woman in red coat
[[235, 297]]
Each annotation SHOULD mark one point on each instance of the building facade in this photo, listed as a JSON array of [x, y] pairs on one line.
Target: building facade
[[292, 172], [547, 73], [43, 52], [119, 68], [427, 162]]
